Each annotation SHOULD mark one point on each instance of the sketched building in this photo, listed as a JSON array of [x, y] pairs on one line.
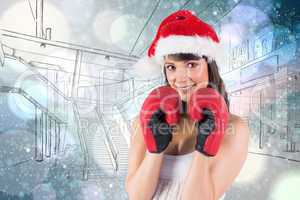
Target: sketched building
[[262, 76], [68, 93]]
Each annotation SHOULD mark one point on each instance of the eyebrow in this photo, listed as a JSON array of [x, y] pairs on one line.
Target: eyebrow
[[166, 63], [185, 61]]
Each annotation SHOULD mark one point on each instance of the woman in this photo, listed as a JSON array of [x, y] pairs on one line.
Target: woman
[[185, 153]]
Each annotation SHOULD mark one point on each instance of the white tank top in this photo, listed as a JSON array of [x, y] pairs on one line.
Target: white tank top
[[175, 167], [173, 171]]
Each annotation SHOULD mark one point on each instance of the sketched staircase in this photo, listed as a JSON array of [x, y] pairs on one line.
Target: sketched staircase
[[120, 142], [99, 159], [106, 148]]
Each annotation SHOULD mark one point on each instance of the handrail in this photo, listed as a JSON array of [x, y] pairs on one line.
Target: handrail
[[113, 151], [37, 73], [82, 140], [44, 111], [9, 89]]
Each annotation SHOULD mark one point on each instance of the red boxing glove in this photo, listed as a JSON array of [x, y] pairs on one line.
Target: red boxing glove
[[159, 112], [209, 110]]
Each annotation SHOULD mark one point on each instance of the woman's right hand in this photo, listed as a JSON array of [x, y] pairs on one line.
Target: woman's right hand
[[159, 112]]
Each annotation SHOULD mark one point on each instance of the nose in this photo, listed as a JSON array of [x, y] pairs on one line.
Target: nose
[[182, 75]]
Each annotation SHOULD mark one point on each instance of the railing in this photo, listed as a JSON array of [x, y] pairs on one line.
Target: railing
[[82, 140], [39, 76], [113, 151], [46, 116]]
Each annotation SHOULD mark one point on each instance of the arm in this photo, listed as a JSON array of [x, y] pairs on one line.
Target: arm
[[143, 167], [230, 160], [152, 131], [211, 177]]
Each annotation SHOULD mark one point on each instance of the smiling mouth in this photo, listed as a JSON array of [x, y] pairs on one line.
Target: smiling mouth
[[186, 88]]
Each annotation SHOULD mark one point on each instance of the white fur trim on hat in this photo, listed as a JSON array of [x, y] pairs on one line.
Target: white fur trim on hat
[[152, 67], [190, 44]]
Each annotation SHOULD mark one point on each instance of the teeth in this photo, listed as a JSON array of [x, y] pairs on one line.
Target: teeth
[[185, 88]]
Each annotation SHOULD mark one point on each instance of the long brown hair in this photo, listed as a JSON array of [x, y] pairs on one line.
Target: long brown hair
[[214, 79]]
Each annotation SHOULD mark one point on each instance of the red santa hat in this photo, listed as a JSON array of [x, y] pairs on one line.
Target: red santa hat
[[180, 32]]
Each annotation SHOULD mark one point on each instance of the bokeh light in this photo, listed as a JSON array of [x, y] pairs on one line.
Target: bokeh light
[[286, 186]]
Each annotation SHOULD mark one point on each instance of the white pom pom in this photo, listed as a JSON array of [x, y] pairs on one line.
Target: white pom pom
[[220, 55], [147, 68]]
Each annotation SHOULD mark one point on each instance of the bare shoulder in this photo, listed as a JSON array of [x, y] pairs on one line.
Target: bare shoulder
[[236, 135], [135, 122], [235, 119], [237, 127], [236, 138], [235, 142], [136, 136]]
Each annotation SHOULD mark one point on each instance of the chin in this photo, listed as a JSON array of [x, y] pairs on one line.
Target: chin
[[184, 97]]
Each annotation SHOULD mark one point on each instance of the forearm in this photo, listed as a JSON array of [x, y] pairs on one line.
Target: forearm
[[198, 183], [143, 183]]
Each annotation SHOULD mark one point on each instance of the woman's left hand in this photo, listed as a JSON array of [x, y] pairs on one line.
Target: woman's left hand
[[209, 110]]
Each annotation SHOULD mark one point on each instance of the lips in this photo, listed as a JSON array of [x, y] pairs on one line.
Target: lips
[[186, 88]]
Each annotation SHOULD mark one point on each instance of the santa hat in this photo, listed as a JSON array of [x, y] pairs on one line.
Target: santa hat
[[180, 32]]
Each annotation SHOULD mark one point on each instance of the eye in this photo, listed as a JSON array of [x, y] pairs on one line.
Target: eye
[[192, 65], [170, 67]]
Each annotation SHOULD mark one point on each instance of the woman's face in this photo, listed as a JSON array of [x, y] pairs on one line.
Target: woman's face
[[186, 76]]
